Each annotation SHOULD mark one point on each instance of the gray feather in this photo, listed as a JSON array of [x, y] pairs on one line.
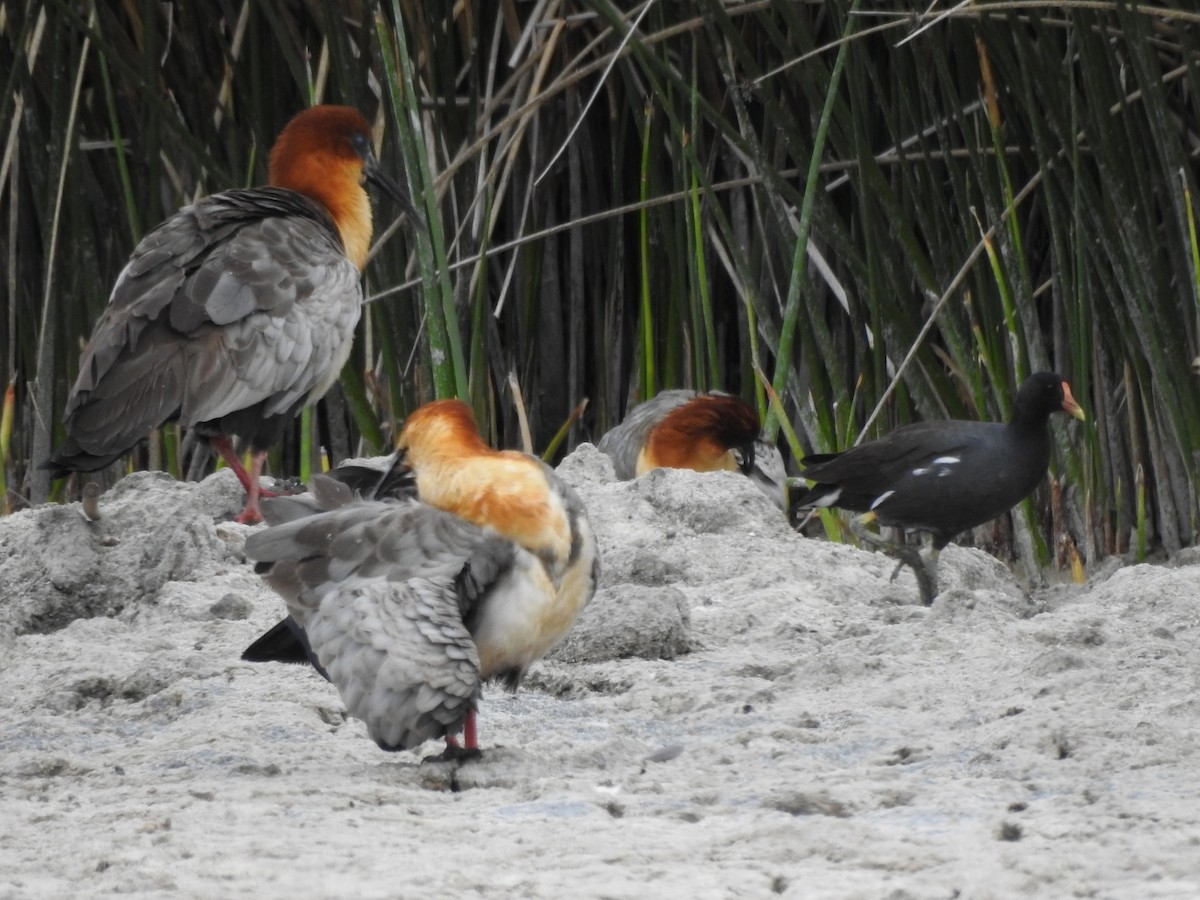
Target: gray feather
[[625, 442], [243, 301], [400, 657], [384, 589]]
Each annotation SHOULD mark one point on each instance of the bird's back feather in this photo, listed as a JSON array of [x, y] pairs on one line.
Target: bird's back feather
[[230, 316]]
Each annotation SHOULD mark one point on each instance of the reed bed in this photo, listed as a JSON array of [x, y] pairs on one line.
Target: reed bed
[[874, 214]]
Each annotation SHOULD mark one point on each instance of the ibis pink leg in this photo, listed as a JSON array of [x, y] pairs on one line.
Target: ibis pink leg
[[469, 748], [470, 732], [250, 514]]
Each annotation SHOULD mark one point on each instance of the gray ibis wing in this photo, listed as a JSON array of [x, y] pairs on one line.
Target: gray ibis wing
[[624, 442], [383, 590], [244, 298]]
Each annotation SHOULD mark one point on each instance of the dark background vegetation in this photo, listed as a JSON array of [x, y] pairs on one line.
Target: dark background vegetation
[[616, 198]]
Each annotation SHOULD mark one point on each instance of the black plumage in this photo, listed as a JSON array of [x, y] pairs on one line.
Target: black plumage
[[943, 477]]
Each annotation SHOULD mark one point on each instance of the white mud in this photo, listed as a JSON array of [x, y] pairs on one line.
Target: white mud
[[743, 712]]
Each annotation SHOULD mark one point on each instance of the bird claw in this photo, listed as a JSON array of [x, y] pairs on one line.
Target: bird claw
[[926, 580], [454, 753], [284, 487], [249, 516], [905, 556]]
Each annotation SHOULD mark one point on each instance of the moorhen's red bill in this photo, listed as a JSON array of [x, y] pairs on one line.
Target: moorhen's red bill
[[942, 477]]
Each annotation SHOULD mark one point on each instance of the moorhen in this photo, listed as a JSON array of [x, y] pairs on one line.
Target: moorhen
[[941, 477]]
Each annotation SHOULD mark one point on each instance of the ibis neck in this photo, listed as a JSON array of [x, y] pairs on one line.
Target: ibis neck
[[341, 194]]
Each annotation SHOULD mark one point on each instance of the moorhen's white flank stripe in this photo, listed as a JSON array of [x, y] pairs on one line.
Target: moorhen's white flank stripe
[[944, 477]]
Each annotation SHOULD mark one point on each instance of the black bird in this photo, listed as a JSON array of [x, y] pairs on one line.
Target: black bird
[[941, 477]]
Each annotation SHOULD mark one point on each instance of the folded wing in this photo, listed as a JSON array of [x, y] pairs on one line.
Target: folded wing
[[383, 590]]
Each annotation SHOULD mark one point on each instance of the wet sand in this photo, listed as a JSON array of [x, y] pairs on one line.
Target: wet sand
[[743, 712]]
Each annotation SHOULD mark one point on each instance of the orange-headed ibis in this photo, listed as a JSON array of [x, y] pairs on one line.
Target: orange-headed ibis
[[408, 604], [682, 429], [238, 310]]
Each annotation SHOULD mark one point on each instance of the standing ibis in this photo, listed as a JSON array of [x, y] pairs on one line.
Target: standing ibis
[[408, 604], [238, 310]]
